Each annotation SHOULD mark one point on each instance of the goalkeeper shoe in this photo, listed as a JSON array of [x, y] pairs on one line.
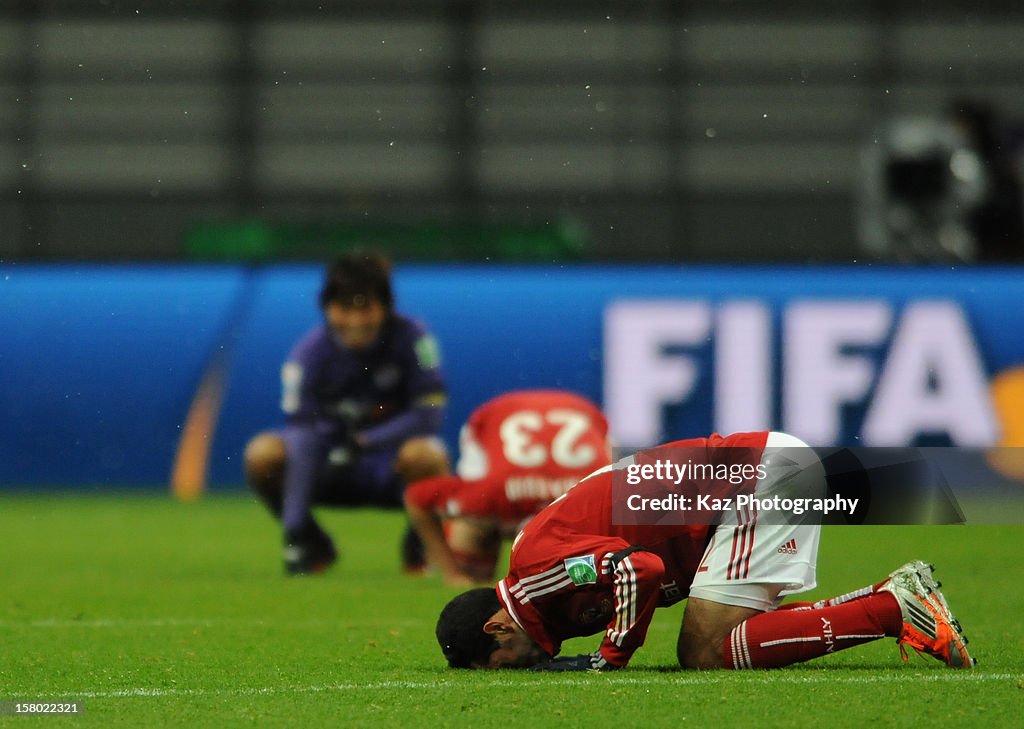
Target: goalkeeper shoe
[[928, 625], [308, 558]]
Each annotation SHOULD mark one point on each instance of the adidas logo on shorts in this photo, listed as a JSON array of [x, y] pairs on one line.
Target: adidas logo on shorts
[[788, 548]]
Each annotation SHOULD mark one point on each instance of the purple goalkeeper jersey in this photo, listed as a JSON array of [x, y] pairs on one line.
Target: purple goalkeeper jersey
[[342, 390]]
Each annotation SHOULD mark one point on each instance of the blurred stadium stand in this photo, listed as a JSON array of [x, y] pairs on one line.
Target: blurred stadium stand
[[661, 130]]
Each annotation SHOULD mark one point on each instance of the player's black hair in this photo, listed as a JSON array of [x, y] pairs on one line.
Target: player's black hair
[[460, 628], [355, 278]]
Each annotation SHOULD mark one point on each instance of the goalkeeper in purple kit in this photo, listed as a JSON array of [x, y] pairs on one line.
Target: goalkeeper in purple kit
[[364, 398]]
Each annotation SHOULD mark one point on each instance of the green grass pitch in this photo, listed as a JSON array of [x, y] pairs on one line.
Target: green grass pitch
[[156, 613]]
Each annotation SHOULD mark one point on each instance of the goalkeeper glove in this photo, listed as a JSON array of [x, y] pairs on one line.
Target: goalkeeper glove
[[585, 662], [346, 452]]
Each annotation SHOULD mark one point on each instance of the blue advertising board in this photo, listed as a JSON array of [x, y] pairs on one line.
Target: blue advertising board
[[110, 372]]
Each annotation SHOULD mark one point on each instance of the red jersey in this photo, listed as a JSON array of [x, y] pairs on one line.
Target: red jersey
[[517, 453], [573, 572]]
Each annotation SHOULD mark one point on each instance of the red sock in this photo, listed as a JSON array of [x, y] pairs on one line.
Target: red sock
[[838, 600], [782, 637]]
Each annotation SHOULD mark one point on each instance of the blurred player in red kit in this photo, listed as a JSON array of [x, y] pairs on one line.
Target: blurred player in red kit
[[517, 453], [575, 572]]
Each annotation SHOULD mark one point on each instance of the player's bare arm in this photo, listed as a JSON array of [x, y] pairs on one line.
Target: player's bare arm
[[427, 524]]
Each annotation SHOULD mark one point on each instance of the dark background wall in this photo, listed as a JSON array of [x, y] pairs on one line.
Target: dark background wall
[[658, 130]]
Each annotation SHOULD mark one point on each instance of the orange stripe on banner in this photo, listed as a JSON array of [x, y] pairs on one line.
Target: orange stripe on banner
[[188, 478]]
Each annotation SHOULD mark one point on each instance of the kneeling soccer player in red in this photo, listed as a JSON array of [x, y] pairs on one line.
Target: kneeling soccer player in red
[[574, 572], [518, 452]]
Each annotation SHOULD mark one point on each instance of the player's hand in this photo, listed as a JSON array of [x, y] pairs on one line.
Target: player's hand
[[584, 662]]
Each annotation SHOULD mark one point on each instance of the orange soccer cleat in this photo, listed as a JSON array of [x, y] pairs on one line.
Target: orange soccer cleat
[[928, 625]]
